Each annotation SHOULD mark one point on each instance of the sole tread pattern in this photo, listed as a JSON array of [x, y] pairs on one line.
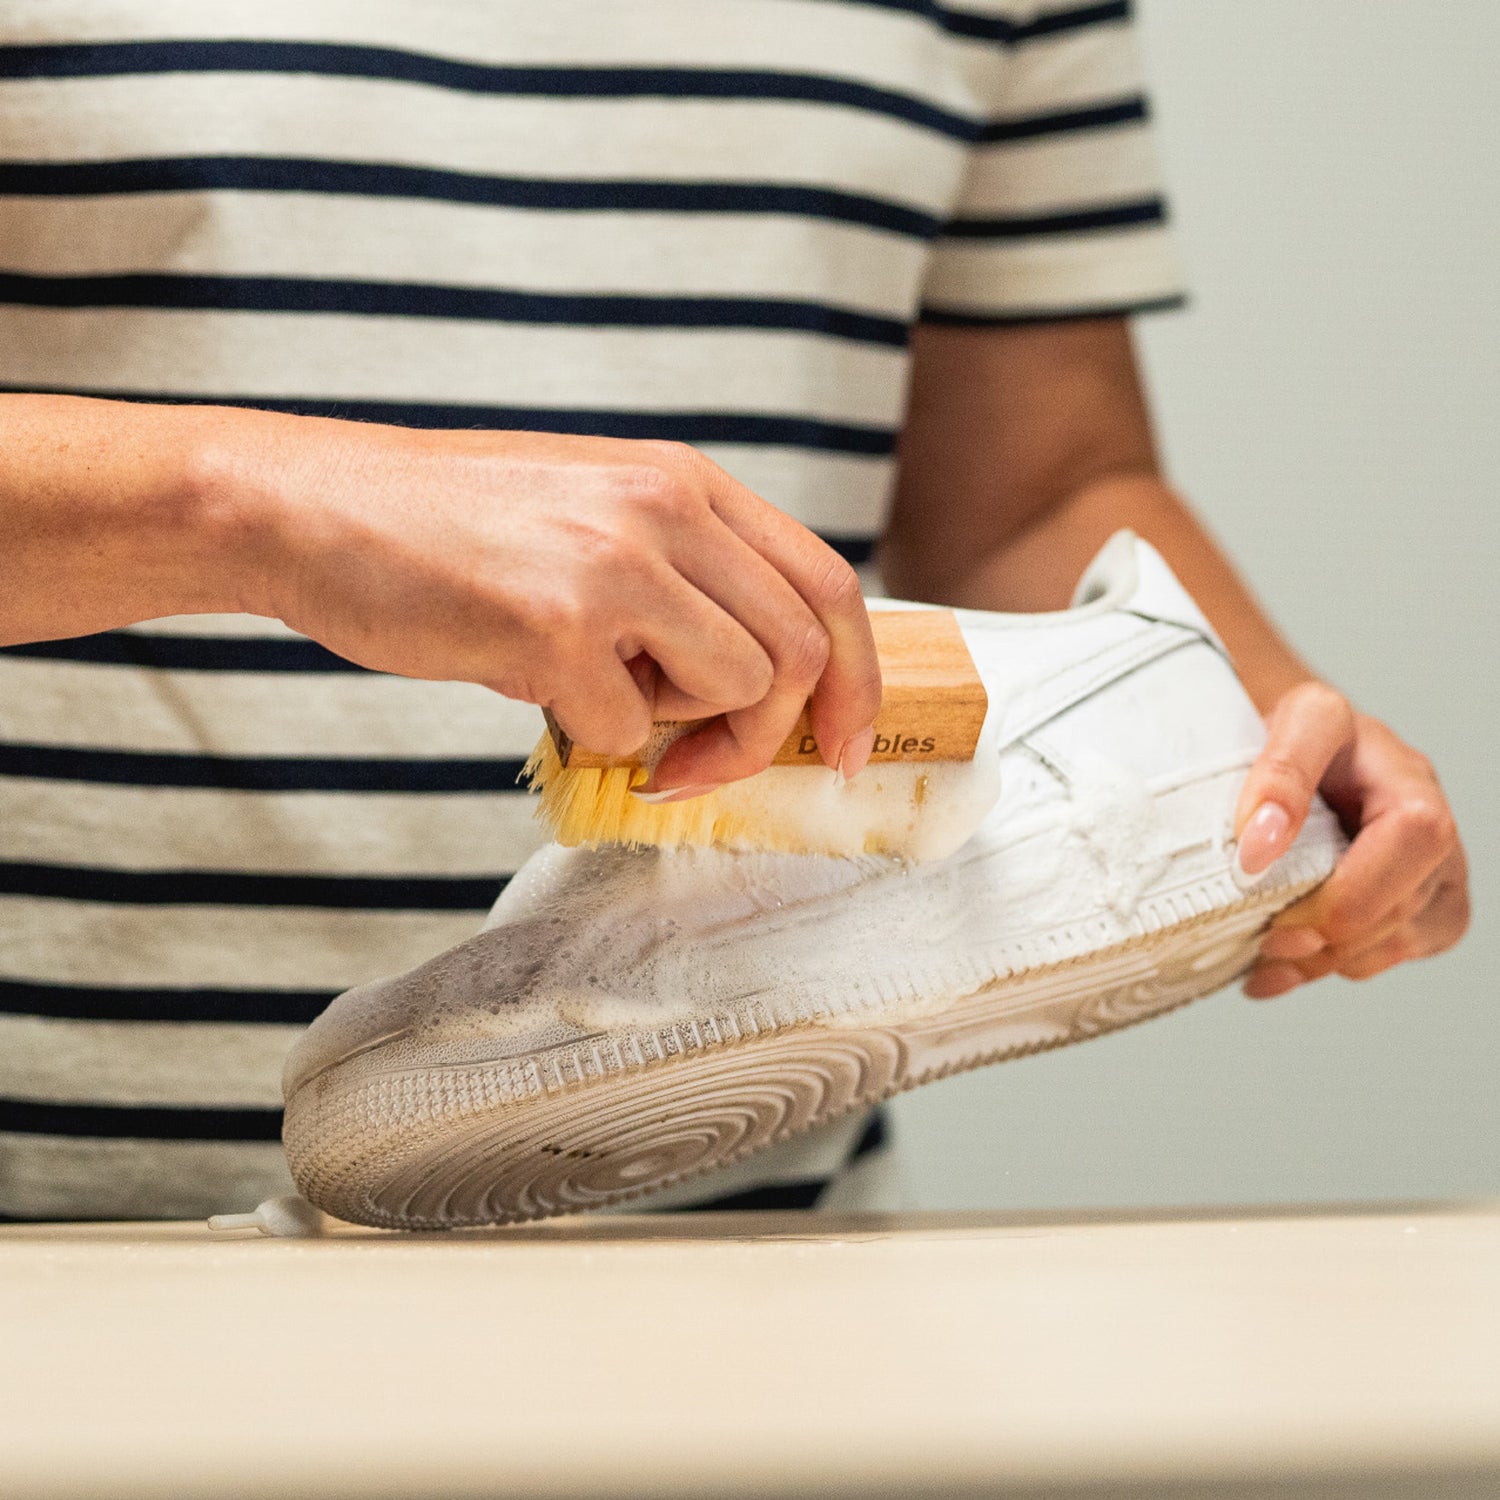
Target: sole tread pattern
[[610, 1119]]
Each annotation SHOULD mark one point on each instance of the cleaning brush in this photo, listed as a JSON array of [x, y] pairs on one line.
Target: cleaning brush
[[921, 795]]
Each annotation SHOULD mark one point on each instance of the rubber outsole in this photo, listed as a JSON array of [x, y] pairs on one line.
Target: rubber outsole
[[614, 1118]]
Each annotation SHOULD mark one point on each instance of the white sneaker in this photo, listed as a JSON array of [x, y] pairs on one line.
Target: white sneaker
[[630, 1018]]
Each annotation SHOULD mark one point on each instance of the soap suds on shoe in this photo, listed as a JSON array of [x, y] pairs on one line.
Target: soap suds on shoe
[[924, 810], [615, 938]]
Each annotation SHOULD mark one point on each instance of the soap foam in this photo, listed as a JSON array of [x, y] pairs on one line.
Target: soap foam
[[589, 941], [915, 810]]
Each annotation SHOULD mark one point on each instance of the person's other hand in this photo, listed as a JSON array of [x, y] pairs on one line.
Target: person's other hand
[[1401, 890], [613, 582]]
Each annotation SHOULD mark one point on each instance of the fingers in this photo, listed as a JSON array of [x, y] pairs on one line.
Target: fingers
[[1315, 957], [1398, 948], [1267, 981], [1387, 863], [708, 657], [1308, 729], [1428, 922], [667, 700], [802, 605], [749, 617], [708, 626], [1399, 892], [847, 695], [604, 708], [1407, 834], [744, 740], [680, 657]]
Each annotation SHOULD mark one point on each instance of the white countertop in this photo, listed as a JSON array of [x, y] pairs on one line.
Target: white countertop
[[1295, 1352]]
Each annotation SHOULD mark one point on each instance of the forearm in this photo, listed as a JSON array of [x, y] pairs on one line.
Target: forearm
[[1039, 566], [1023, 450], [541, 565], [104, 518]]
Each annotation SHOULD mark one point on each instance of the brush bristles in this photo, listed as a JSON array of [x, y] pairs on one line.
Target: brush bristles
[[910, 810], [589, 806]]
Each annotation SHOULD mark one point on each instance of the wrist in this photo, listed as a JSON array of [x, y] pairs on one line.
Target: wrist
[[227, 510]]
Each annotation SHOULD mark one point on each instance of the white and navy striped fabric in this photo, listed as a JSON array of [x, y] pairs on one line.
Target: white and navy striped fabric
[[711, 221]]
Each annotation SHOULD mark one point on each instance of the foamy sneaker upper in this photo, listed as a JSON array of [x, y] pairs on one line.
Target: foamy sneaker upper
[[1117, 737]]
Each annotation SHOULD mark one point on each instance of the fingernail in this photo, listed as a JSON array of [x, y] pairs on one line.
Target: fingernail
[[855, 755], [677, 793], [1266, 981], [1262, 840], [1292, 942]]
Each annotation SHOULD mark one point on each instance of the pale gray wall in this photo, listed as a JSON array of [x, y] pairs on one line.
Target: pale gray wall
[[1332, 401]]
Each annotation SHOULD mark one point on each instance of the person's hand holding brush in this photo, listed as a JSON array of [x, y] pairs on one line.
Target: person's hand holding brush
[[611, 581]]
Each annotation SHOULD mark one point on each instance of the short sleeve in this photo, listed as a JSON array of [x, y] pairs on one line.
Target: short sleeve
[[1062, 211]]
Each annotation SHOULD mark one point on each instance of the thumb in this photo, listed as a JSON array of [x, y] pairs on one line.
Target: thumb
[[1307, 729]]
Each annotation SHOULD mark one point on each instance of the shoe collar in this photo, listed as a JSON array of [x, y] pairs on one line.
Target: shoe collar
[[1130, 575]]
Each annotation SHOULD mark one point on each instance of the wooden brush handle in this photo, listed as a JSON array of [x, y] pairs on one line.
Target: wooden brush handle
[[932, 707]]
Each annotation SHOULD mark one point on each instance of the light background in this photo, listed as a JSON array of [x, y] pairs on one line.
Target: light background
[[1332, 402]]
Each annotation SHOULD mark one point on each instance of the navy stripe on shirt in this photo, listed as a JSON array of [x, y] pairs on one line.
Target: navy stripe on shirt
[[1103, 216], [958, 318], [694, 427], [83, 1002], [272, 773], [395, 65], [59, 60], [158, 1122], [395, 299], [1132, 110], [1002, 28], [875, 1137], [783, 1196], [235, 888], [208, 1123], [189, 653], [199, 1123], [386, 180], [280, 174]]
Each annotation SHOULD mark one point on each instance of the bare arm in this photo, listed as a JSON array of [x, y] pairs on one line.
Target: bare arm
[[610, 581], [100, 523], [1025, 447]]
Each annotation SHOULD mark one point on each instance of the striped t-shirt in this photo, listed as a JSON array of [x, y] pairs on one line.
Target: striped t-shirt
[[705, 220]]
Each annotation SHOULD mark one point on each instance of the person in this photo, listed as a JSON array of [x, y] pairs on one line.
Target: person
[[371, 373]]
